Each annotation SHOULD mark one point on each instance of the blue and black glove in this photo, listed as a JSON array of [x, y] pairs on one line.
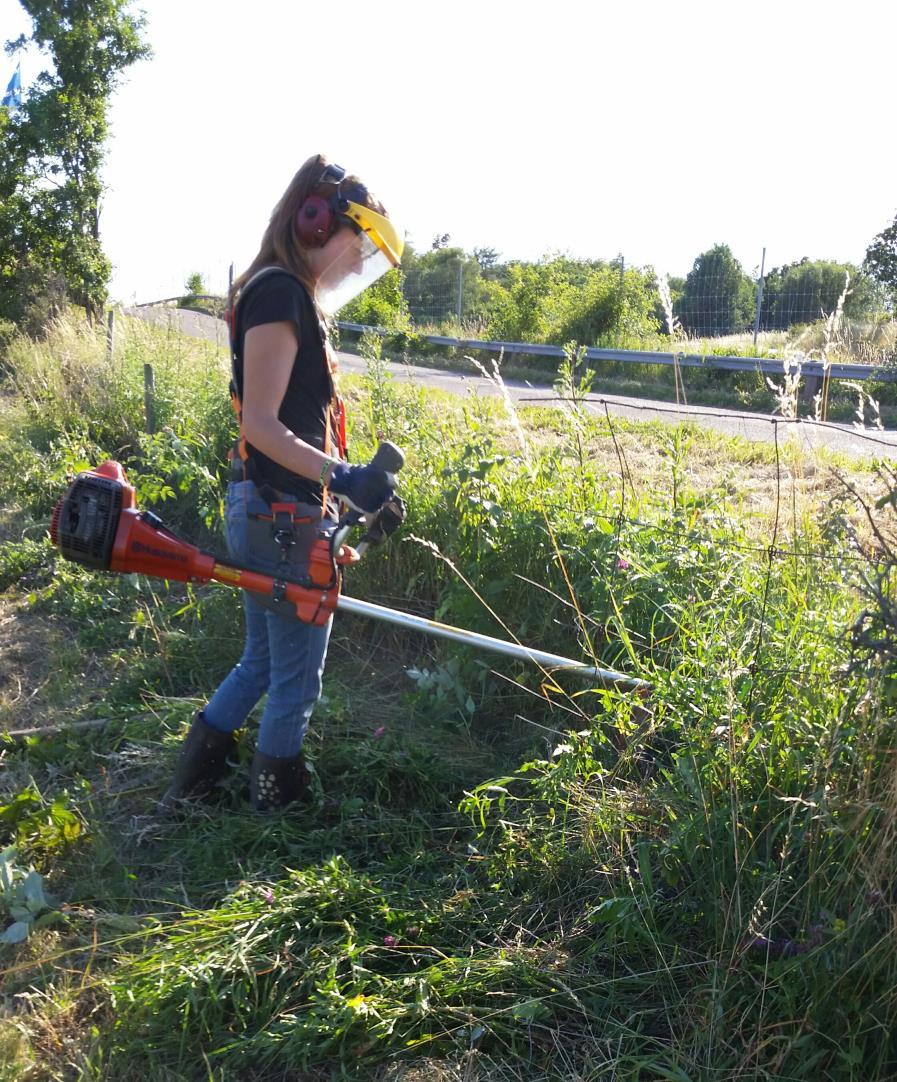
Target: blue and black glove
[[364, 488]]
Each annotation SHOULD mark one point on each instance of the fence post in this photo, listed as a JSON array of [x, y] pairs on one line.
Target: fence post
[[460, 286], [760, 282], [149, 391], [110, 334], [623, 296]]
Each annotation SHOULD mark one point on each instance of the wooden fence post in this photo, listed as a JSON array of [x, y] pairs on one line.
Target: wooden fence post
[[149, 405]]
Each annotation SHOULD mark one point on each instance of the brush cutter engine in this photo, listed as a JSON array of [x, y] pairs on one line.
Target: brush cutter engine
[[97, 524], [86, 520]]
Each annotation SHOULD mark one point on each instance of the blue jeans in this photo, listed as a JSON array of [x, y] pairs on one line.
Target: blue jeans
[[281, 656]]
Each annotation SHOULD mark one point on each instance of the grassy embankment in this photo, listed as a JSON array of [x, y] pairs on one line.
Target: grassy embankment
[[504, 876]]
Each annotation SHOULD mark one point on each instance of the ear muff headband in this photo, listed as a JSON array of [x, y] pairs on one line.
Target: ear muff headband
[[318, 217]]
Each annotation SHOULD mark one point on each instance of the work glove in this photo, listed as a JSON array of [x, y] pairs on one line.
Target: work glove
[[364, 488], [385, 523]]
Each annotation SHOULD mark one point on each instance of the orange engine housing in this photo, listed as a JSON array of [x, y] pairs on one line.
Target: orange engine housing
[[97, 524]]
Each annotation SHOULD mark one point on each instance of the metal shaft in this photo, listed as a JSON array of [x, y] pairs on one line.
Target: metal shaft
[[486, 642]]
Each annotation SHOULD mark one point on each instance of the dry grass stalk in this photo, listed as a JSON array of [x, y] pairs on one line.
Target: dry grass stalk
[[787, 393]]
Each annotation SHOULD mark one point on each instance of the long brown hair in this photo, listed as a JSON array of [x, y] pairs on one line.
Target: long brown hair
[[280, 246]]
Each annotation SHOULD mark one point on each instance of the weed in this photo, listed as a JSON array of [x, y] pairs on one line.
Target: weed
[[21, 560], [22, 900], [39, 825]]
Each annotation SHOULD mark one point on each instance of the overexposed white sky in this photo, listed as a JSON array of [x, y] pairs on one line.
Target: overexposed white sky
[[654, 129]]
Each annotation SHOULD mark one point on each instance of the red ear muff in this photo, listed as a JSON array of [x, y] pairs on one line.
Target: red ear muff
[[315, 222]]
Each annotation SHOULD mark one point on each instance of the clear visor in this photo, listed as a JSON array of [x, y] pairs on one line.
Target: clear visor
[[355, 267]]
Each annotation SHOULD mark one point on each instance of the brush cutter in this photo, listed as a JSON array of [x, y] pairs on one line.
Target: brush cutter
[[97, 524]]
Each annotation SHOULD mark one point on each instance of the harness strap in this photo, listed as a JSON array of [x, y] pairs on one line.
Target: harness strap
[[280, 509], [335, 417]]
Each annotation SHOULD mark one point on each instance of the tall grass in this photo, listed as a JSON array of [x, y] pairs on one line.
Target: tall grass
[[506, 877], [74, 402]]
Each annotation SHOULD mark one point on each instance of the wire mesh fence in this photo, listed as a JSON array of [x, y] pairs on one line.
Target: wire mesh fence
[[435, 298], [808, 306]]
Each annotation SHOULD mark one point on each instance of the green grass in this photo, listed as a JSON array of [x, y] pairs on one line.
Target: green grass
[[505, 874]]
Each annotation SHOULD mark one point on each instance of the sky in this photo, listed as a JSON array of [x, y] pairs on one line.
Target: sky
[[653, 129]]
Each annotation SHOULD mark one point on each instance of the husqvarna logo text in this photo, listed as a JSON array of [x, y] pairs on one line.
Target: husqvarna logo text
[[161, 554]]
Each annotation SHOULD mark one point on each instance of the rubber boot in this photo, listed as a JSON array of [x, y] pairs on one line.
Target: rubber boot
[[203, 760], [275, 782]]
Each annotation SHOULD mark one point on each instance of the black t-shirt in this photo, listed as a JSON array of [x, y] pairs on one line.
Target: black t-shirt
[[280, 297]]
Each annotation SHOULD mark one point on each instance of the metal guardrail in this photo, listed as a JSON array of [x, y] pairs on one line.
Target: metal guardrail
[[182, 297], [638, 356]]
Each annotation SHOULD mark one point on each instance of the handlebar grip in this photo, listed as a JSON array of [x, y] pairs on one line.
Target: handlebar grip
[[388, 458]]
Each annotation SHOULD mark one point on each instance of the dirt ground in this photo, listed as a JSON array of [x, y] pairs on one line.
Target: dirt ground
[[28, 646]]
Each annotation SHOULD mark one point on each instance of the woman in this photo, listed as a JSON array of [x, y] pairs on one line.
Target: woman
[[327, 239]]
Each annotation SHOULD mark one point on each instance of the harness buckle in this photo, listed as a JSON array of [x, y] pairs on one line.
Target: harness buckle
[[282, 529]]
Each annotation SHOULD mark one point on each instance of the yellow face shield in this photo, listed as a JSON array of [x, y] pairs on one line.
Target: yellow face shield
[[360, 259], [380, 230]]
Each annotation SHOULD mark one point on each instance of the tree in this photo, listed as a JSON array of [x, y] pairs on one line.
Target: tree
[[718, 297], [382, 304], [441, 279], [613, 305], [562, 299], [522, 310], [810, 290], [52, 150], [486, 257], [881, 258], [194, 285]]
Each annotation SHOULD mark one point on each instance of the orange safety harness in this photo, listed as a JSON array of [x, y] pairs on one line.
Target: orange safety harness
[[300, 537]]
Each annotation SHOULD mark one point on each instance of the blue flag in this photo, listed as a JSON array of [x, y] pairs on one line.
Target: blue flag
[[13, 95]]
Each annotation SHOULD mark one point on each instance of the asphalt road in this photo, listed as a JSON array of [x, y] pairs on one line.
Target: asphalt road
[[868, 443], [193, 324]]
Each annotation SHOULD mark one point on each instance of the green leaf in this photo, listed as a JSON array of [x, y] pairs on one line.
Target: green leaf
[[644, 866], [33, 890], [529, 1011], [16, 933], [7, 866]]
